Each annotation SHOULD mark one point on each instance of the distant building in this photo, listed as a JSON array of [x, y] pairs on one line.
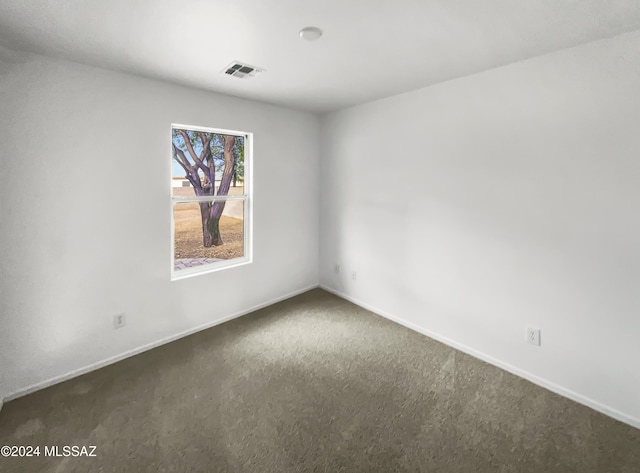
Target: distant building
[[179, 182], [182, 182]]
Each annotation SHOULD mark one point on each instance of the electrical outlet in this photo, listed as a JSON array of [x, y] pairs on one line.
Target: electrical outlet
[[336, 269], [533, 336], [354, 275], [119, 321]]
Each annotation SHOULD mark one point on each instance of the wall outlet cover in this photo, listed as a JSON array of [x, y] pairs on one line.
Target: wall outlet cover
[[119, 321], [533, 336]]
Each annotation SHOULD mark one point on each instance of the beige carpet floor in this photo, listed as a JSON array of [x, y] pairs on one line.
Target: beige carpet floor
[[312, 384]]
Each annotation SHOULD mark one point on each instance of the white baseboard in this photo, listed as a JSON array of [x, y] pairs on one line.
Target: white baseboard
[[579, 398], [148, 346], [611, 412]]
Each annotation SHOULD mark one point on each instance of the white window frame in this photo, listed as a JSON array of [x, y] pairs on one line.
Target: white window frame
[[246, 197]]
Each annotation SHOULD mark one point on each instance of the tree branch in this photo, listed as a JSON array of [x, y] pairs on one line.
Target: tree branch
[[211, 168], [187, 143], [227, 173], [192, 172], [192, 152], [175, 156]]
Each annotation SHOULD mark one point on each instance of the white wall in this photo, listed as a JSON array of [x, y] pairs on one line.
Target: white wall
[[73, 255], [519, 205]]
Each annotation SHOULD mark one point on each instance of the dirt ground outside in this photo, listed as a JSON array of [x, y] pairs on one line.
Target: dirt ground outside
[[188, 228]]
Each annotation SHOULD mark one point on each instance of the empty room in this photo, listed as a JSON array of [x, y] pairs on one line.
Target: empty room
[[288, 236]]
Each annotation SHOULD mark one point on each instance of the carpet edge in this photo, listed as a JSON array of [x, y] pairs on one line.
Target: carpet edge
[[146, 347], [551, 386]]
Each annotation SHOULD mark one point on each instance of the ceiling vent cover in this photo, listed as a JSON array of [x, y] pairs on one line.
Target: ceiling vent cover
[[241, 70]]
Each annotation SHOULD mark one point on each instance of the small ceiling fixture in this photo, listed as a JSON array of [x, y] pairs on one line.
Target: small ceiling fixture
[[241, 70], [310, 33]]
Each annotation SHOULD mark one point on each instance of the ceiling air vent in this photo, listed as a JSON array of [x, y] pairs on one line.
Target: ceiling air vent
[[241, 71]]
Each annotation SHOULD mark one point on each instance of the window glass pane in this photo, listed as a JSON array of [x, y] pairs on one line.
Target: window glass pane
[[205, 163], [221, 239]]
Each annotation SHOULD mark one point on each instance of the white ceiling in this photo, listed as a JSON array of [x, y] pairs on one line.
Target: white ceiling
[[370, 48]]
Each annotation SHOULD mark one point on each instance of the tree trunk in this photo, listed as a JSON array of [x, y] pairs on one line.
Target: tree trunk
[[218, 207], [215, 212], [210, 212], [207, 235], [211, 223], [214, 230]]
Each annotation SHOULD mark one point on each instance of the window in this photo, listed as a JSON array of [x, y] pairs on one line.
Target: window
[[210, 199]]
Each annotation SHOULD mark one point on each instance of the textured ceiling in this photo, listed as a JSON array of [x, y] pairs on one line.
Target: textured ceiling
[[370, 49]]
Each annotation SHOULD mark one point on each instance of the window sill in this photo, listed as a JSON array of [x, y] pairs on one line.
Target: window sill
[[209, 268]]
